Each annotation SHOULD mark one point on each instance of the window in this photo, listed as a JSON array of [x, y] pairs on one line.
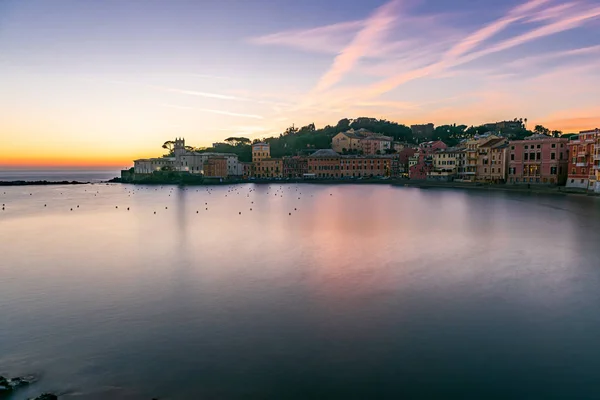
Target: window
[[526, 147], [512, 157], [539, 156], [572, 180], [560, 156], [552, 170], [553, 156], [553, 145], [512, 147], [525, 156], [539, 146], [582, 181]]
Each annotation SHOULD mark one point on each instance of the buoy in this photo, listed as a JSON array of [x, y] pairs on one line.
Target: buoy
[[77, 205], [154, 212], [290, 213], [116, 206], [240, 213], [196, 212], [127, 208], [166, 208]]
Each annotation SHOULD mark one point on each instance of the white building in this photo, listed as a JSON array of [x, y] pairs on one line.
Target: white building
[[187, 161]]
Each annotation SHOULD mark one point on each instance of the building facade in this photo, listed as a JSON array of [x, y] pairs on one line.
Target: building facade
[[216, 167], [324, 164], [376, 144], [538, 159], [491, 161], [365, 166], [295, 167], [581, 174], [445, 164]]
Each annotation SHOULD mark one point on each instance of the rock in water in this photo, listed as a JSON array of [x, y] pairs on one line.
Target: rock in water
[[46, 396]]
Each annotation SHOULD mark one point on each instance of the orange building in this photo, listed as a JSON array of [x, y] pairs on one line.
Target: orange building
[[216, 167], [324, 164], [365, 166]]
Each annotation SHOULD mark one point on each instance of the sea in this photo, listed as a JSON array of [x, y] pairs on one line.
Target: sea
[[298, 291]]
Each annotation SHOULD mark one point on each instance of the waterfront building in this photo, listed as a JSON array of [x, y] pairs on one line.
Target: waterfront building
[[492, 161], [421, 163], [404, 157], [263, 166], [597, 163], [295, 167], [324, 163], [185, 160], [365, 166], [470, 161], [216, 167], [538, 159], [445, 164], [150, 165], [581, 173]]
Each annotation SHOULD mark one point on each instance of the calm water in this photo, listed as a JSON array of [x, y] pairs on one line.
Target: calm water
[[58, 175], [362, 292]]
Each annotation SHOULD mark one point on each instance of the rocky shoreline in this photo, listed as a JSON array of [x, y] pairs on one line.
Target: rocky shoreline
[[9, 386]]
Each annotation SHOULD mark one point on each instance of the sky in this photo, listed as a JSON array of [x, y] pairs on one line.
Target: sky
[[100, 83]]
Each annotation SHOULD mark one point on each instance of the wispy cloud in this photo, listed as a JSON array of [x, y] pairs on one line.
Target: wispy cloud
[[220, 112], [368, 37], [326, 39], [459, 53]]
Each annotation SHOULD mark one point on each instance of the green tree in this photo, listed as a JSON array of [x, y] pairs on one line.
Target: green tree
[[541, 130]]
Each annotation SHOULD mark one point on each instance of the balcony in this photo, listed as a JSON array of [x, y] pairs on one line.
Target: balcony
[[597, 167], [597, 157], [582, 153], [580, 164]]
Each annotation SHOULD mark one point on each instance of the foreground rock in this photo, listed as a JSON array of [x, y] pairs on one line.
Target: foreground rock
[[46, 396], [8, 385]]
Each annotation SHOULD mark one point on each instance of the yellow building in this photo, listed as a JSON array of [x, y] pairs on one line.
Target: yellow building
[[347, 141], [260, 151], [263, 166], [446, 164]]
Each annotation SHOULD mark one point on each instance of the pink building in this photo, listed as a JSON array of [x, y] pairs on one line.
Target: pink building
[[376, 144], [431, 147], [538, 159], [581, 161], [424, 163]]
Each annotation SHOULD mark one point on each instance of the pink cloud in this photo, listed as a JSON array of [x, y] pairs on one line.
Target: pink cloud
[[369, 36]]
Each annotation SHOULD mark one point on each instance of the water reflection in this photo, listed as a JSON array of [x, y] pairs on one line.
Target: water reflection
[[344, 292]]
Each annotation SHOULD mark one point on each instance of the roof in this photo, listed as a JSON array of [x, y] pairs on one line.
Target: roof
[[493, 142], [260, 143], [324, 153], [379, 137], [538, 137], [210, 154]]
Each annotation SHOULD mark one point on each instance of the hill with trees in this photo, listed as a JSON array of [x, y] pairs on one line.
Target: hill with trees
[[306, 139]]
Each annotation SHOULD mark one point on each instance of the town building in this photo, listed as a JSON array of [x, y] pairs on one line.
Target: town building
[[376, 144], [365, 166], [538, 159], [492, 161], [469, 162], [422, 130], [581, 173], [149, 165], [445, 164], [362, 140], [185, 160], [263, 166], [505, 126], [216, 167], [324, 163], [421, 163], [295, 167], [347, 141], [596, 166]]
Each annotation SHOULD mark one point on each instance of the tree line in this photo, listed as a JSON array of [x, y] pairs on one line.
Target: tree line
[[303, 140]]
